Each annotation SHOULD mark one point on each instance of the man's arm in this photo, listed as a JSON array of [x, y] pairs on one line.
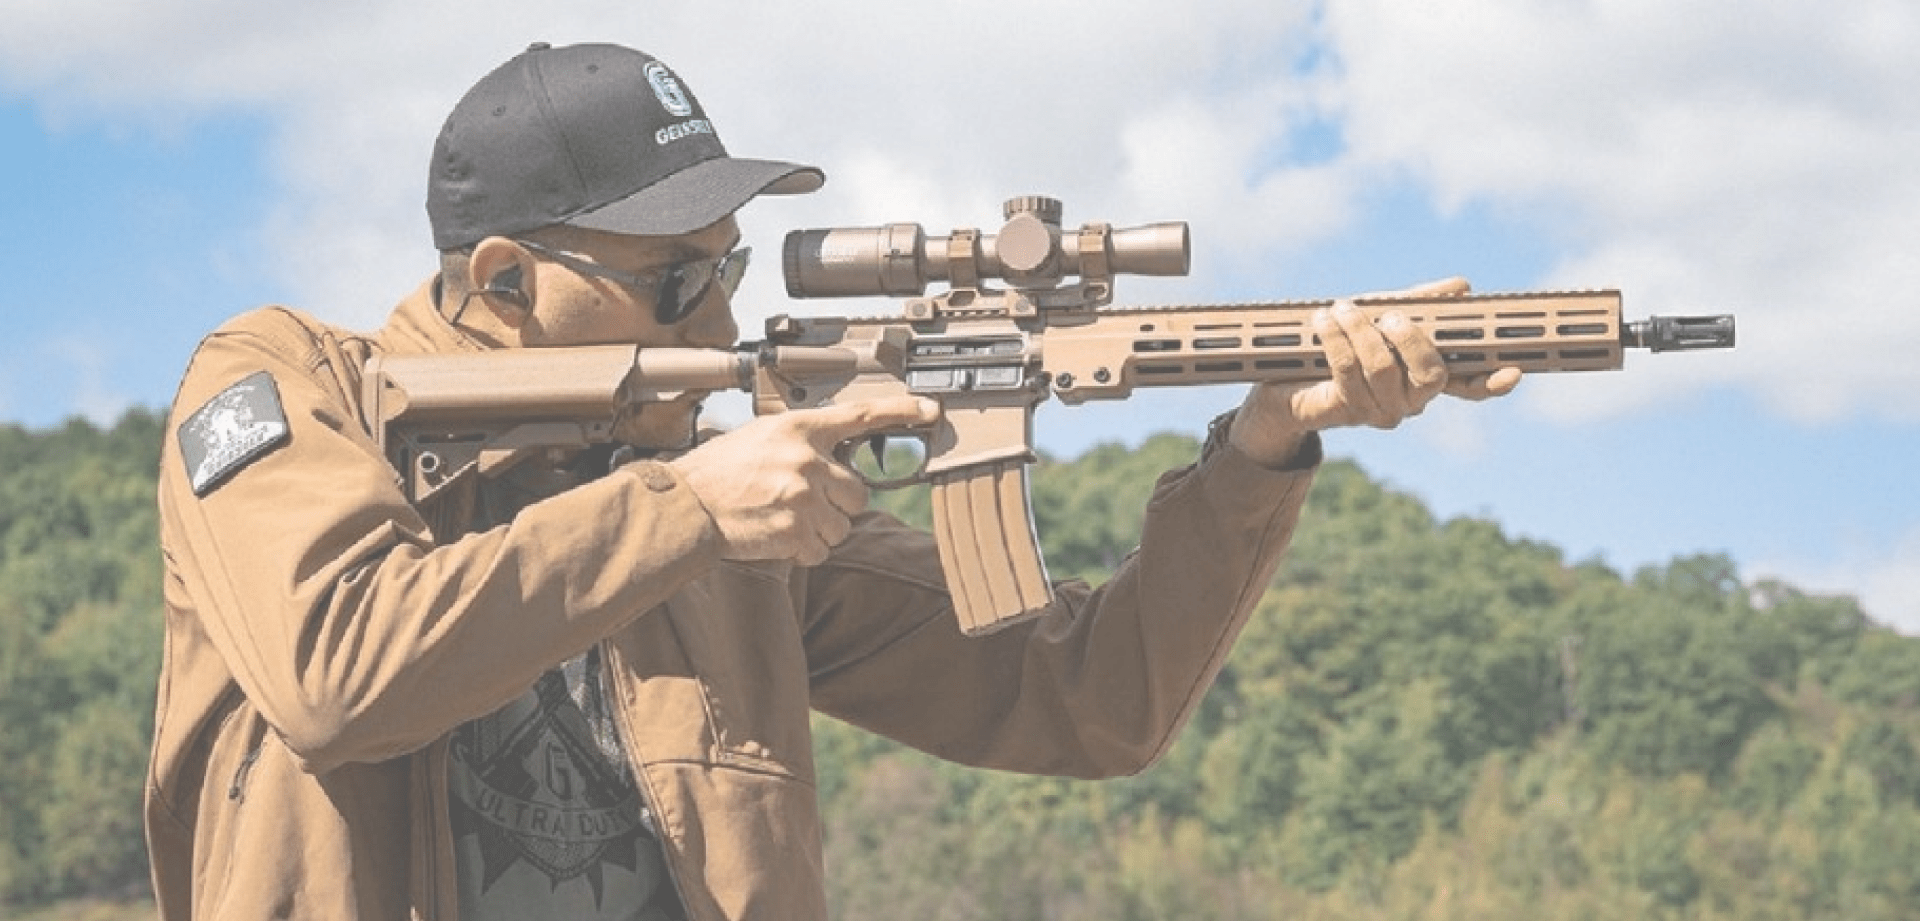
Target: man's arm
[[356, 634], [1103, 680]]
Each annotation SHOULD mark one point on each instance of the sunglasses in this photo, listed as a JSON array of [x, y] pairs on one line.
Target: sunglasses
[[677, 289]]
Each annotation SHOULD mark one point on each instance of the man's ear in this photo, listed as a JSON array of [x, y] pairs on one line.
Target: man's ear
[[497, 273]]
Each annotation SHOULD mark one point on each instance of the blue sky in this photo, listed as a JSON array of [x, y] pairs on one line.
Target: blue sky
[[1761, 158], [124, 246]]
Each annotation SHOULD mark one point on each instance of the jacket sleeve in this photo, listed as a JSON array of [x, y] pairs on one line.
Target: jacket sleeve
[[1101, 683], [354, 634]]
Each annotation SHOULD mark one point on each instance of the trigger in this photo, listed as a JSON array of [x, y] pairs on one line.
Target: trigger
[[878, 445]]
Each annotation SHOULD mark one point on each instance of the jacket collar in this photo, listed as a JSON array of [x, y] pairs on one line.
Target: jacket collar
[[416, 326]]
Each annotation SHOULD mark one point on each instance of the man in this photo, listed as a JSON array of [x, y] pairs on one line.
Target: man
[[584, 693]]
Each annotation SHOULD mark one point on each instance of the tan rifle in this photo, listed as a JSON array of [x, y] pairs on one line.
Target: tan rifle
[[989, 354]]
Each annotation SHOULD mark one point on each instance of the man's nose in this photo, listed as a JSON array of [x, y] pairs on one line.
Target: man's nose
[[712, 324]]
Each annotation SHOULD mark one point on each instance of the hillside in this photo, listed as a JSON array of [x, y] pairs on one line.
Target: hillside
[[1426, 719]]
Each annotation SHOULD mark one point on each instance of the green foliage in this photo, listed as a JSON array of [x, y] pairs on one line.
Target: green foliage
[[90, 821], [1428, 719], [1088, 512], [1773, 768], [79, 652], [1364, 803], [1425, 719], [1665, 688]]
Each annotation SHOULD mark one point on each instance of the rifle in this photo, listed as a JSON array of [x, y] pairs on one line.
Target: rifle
[[989, 354]]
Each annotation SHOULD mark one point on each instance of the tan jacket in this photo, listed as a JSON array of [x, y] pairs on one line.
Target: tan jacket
[[321, 645]]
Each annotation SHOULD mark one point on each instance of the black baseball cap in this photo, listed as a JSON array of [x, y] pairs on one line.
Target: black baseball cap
[[597, 136]]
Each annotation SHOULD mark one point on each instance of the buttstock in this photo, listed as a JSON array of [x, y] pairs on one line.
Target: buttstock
[[983, 524]]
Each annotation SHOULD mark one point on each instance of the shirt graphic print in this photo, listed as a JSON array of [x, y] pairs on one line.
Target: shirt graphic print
[[547, 820]]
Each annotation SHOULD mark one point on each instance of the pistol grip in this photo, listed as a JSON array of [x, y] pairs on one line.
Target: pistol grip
[[984, 527]]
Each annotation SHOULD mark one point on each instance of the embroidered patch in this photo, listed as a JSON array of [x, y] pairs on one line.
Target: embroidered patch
[[236, 427]]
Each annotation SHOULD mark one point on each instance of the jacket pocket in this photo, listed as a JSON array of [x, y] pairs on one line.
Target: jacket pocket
[[718, 676], [230, 762]]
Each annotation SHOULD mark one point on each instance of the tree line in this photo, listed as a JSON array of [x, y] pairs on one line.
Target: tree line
[[1425, 719]]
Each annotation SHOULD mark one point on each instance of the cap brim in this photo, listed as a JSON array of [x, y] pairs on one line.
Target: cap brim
[[698, 196]]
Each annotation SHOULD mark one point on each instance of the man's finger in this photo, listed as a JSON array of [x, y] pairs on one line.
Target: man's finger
[[828, 426], [1485, 386], [834, 529], [1328, 403], [1426, 370], [844, 490], [1381, 395], [1443, 287], [812, 551]]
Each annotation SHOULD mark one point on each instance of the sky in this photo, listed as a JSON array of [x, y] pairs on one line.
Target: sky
[[171, 163]]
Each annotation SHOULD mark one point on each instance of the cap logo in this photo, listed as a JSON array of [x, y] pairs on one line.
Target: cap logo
[[668, 89]]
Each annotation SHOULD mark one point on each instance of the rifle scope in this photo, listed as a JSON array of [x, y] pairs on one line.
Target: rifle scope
[[1029, 252]]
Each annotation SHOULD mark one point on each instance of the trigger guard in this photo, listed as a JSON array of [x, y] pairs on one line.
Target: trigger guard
[[844, 452]]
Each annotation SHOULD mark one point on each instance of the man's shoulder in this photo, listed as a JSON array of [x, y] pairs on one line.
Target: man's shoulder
[[267, 349], [283, 340], [250, 384], [282, 328]]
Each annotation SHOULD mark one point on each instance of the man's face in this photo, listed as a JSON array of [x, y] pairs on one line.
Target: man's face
[[574, 306]]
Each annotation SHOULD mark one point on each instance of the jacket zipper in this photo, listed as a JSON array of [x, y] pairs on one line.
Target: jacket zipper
[[238, 789], [427, 825], [650, 816]]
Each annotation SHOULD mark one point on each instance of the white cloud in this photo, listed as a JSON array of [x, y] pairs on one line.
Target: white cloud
[[1885, 576], [1757, 157], [1761, 157], [1452, 429], [931, 112]]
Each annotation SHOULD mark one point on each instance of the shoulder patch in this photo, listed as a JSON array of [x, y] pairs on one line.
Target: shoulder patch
[[233, 429]]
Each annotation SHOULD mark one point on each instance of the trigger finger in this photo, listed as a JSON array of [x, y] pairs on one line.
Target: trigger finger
[[831, 425]]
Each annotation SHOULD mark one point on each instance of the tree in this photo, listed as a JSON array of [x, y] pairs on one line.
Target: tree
[[1667, 683], [79, 653]]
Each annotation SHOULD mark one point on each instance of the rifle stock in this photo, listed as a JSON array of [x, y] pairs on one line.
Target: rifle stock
[[988, 355], [441, 419]]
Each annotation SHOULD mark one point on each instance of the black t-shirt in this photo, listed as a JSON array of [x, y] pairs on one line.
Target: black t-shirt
[[547, 820]]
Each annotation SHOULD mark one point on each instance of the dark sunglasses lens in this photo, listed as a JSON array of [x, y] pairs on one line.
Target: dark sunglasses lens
[[732, 268], [684, 286], [667, 306], [681, 291]]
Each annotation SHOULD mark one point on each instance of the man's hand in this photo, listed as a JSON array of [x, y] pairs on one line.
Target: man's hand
[[773, 486], [1380, 373]]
